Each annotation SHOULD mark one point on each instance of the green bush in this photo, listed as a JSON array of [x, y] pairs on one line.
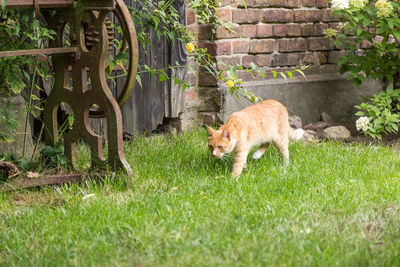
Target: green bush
[[374, 25]]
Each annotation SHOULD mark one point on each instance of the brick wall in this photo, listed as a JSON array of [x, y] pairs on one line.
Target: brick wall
[[274, 34]]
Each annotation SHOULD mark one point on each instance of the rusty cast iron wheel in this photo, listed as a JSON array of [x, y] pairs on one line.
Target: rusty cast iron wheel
[[121, 11]]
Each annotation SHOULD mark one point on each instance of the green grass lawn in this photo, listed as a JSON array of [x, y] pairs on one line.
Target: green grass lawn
[[336, 204]]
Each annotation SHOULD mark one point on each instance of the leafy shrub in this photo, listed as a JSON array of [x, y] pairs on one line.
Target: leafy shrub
[[370, 35]]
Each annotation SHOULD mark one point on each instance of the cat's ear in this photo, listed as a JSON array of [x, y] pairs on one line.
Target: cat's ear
[[210, 130], [226, 134]]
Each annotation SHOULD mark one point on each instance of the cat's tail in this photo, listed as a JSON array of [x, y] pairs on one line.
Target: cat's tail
[[295, 134]]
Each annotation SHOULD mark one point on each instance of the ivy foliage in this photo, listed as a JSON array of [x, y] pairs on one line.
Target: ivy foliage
[[18, 31]]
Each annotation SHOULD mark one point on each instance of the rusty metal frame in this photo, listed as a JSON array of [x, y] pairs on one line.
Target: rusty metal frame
[[21, 183], [82, 60]]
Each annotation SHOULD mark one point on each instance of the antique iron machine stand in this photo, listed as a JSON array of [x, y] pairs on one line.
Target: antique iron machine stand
[[91, 37]]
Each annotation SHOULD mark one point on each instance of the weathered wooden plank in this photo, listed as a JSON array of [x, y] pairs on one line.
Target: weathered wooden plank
[[148, 105], [145, 108], [175, 95], [42, 3]]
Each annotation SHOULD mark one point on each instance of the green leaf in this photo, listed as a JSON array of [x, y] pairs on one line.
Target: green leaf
[[249, 71], [356, 82], [139, 80], [163, 76], [390, 23], [302, 73], [283, 75]]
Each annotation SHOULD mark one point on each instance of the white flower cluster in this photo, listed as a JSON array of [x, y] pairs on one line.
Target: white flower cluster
[[384, 8], [358, 3], [362, 124], [329, 33], [340, 4]]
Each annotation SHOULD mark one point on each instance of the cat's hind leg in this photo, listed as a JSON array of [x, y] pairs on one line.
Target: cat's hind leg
[[260, 151], [283, 147]]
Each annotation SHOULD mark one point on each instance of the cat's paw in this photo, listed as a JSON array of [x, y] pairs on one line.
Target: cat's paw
[[257, 154]]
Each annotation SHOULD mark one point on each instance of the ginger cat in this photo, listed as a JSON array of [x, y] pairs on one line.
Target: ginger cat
[[259, 124]]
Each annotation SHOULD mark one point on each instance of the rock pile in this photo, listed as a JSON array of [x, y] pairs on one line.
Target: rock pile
[[325, 128]]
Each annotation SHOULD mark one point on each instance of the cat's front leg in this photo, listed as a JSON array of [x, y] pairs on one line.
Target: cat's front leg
[[240, 162]]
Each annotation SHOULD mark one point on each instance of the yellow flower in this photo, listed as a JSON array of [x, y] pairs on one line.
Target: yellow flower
[[190, 47], [230, 84]]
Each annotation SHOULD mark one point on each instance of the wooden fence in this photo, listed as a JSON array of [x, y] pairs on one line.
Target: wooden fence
[[150, 104]]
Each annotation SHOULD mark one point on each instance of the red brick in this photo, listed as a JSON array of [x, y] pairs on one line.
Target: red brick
[[334, 56], [320, 29], [293, 29], [308, 15], [292, 3], [278, 60], [287, 30], [190, 16], [277, 15], [247, 16], [191, 78], [224, 61], [193, 29], [336, 26], [327, 16], [352, 42], [223, 33], [308, 29], [276, 3], [248, 30], [206, 31], [263, 60], [249, 3], [247, 60], [262, 46], [208, 118], [308, 58], [190, 95], [321, 3], [308, 3], [279, 29], [210, 46], [223, 47], [294, 59], [378, 39], [292, 45], [321, 58], [240, 46], [206, 79], [246, 76], [365, 44], [264, 30], [230, 2], [224, 14], [316, 44]]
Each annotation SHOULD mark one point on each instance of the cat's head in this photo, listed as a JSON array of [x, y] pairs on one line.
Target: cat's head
[[219, 142]]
